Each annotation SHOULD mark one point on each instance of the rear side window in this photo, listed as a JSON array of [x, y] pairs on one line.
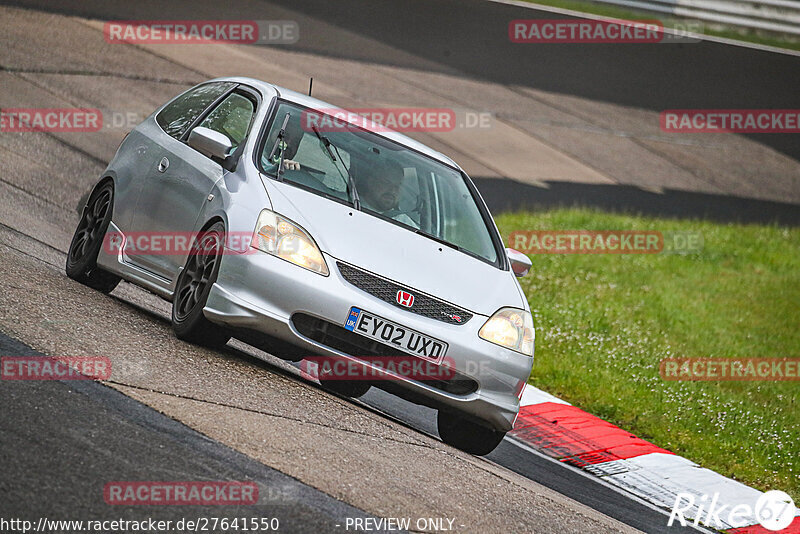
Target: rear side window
[[231, 118], [179, 114]]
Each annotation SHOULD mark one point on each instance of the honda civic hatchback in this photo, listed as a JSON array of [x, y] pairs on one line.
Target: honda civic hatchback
[[269, 216]]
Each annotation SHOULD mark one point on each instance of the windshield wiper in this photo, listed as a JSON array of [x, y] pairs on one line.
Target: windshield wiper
[[278, 143], [437, 239], [327, 144], [351, 185]]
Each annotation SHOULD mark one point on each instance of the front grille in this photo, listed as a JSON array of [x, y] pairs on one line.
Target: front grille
[[339, 338], [386, 290]]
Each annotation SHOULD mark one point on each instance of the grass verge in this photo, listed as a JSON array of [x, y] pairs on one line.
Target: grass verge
[[605, 321], [715, 30]]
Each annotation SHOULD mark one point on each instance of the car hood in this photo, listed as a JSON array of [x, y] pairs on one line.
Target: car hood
[[396, 253]]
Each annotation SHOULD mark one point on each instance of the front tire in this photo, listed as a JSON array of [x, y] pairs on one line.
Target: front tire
[[81, 263], [192, 289], [466, 435]]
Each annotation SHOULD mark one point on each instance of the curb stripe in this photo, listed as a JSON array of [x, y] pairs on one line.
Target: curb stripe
[[794, 528], [574, 436], [571, 435]]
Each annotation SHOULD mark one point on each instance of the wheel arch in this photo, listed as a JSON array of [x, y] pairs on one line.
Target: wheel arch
[[84, 200], [213, 220]]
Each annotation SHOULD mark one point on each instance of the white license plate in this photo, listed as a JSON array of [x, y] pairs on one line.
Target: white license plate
[[394, 335]]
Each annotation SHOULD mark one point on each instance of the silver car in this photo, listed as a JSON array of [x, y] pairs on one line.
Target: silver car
[[266, 215]]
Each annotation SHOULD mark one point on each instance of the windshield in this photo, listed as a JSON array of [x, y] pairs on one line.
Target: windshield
[[323, 154]]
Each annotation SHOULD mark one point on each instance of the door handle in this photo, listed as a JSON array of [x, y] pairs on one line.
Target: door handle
[[163, 164]]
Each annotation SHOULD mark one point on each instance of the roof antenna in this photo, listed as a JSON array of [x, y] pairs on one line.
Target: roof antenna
[[310, 85]]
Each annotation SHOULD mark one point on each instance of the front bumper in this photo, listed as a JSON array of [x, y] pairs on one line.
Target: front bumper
[[262, 293]]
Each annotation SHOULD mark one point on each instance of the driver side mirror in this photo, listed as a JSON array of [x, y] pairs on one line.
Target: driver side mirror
[[210, 143], [520, 263]]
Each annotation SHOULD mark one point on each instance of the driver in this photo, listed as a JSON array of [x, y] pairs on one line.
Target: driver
[[380, 192], [291, 142]]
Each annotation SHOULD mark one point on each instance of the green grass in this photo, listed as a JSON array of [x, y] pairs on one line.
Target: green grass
[[605, 321], [716, 30]]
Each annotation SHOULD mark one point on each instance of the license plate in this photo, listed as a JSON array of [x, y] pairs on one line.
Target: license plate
[[394, 335]]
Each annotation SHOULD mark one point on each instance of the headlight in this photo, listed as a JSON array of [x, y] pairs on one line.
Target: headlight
[[284, 239], [510, 328]]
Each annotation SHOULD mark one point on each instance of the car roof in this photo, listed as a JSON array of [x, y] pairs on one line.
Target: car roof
[[309, 101]]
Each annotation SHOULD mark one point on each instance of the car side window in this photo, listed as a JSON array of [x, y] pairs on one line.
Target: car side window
[[179, 114], [231, 118]]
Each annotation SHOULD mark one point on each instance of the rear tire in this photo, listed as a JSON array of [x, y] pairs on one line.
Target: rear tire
[[466, 435], [192, 289], [81, 263]]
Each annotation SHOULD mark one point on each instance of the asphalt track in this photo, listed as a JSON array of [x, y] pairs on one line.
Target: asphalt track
[[536, 466], [84, 431], [126, 438], [63, 440], [470, 37]]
